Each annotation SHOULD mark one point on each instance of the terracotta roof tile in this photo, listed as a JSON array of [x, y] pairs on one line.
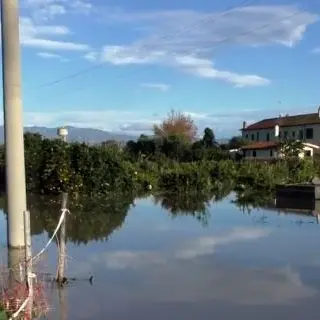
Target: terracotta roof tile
[[260, 145], [285, 121]]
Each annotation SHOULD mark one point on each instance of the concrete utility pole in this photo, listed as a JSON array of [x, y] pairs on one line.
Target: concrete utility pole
[[13, 123]]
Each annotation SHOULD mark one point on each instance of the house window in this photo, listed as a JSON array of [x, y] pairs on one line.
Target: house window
[[293, 134], [258, 136], [268, 136], [280, 135], [271, 153], [247, 136], [254, 153], [309, 133], [301, 134], [285, 134], [252, 137], [307, 153]]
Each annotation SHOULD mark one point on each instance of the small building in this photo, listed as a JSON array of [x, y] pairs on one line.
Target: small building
[[266, 150], [264, 137]]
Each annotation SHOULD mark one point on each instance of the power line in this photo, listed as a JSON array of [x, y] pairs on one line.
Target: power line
[[222, 41], [211, 17], [250, 31]]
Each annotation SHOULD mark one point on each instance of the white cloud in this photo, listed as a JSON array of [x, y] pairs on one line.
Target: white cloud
[[316, 50], [179, 274], [130, 122], [91, 56], [28, 29], [81, 6], [191, 50], [50, 55], [35, 35], [250, 25], [36, 30], [49, 9], [158, 86], [204, 68], [111, 120], [53, 45], [207, 245], [224, 123], [131, 259], [193, 64], [191, 250], [138, 127]]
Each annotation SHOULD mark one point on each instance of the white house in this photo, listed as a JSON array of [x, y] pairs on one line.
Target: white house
[[271, 149], [264, 136]]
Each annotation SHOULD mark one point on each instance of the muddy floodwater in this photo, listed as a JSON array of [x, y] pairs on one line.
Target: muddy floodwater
[[157, 258]]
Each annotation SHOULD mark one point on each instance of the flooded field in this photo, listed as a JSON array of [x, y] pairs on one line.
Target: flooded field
[[153, 258]]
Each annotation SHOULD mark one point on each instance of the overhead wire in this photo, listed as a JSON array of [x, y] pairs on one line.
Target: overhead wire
[[211, 17], [216, 44], [187, 28]]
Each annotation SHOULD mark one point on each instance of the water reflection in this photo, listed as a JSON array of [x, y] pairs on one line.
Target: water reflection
[[300, 206], [196, 204], [63, 308], [96, 220], [231, 269], [90, 220], [248, 201]]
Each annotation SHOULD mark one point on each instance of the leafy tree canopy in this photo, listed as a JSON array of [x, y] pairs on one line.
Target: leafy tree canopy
[[177, 124]]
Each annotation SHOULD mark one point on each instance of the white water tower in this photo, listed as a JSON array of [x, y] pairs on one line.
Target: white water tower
[[63, 133]]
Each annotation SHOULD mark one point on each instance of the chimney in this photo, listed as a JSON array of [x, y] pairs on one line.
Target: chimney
[[244, 124]]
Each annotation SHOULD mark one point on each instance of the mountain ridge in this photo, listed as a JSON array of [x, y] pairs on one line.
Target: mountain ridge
[[76, 134]]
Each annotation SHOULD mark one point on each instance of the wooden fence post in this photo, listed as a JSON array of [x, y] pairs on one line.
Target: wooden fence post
[[62, 242]]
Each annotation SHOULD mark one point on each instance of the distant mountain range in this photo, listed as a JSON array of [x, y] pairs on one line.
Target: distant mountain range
[[87, 135]]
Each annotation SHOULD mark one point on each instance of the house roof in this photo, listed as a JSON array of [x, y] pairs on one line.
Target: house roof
[[285, 121], [261, 145]]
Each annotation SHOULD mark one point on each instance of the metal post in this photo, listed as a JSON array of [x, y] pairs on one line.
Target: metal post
[[13, 123]]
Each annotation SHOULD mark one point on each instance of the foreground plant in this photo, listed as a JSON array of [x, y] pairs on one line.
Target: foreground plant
[[13, 296]]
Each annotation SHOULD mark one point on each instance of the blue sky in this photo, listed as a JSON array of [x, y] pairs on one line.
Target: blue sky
[[123, 65]]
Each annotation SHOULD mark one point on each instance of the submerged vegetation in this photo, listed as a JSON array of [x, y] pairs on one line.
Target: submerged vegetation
[[173, 159]]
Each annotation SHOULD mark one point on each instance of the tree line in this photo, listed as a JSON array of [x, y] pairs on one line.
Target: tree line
[[173, 158]]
